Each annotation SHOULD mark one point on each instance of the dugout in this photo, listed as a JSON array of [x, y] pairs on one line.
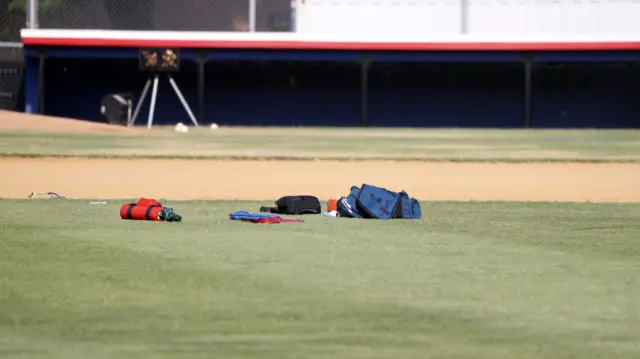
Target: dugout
[[324, 87]]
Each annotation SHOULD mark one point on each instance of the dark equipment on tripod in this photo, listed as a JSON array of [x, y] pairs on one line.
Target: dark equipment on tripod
[[159, 60]]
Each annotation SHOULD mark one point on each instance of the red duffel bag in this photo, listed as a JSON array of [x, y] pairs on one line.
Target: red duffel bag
[[144, 210]]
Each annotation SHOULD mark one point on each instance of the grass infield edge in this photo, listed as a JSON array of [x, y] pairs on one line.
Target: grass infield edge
[[318, 158]]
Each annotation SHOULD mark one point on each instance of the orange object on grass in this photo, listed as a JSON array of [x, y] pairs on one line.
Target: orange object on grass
[[332, 205]]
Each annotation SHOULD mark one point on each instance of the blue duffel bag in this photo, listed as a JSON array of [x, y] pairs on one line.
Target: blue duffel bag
[[378, 203]]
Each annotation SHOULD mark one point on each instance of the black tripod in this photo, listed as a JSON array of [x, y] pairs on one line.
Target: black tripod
[[154, 96]]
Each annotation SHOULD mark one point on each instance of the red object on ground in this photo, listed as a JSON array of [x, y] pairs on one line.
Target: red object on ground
[[145, 210], [273, 220], [332, 205], [148, 202]]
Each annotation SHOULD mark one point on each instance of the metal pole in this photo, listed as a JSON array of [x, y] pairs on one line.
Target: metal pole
[[528, 75], [293, 16], [176, 89], [129, 103], [10, 44], [364, 92], [33, 14], [152, 106], [201, 79], [140, 101], [252, 15], [464, 17], [41, 92]]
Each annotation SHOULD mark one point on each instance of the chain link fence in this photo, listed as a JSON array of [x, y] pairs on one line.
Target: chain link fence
[[166, 15], [12, 19], [13, 16], [274, 16], [11, 66]]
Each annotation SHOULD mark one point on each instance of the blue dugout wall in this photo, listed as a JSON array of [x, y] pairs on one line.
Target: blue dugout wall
[[314, 88]]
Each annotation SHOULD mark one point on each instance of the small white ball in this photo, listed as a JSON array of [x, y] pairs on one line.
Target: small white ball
[[180, 127], [214, 126]]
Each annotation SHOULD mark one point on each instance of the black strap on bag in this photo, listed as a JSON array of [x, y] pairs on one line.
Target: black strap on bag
[[295, 205], [130, 209], [147, 213]]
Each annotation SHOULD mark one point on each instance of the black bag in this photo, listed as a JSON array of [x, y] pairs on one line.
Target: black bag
[[295, 205], [115, 108]]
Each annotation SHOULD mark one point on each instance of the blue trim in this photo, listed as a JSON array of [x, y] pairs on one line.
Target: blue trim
[[282, 55], [31, 84], [447, 56], [331, 55], [587, 56], [96, 52]]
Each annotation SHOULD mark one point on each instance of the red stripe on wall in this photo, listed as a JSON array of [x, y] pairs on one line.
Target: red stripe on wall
[[313, 45]]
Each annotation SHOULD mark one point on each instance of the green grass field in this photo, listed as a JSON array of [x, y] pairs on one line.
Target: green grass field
[[470, 280], [349, 143]]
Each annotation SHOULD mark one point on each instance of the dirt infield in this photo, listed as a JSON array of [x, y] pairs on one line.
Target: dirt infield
[[15, 121], [195, 179], [267, 180]]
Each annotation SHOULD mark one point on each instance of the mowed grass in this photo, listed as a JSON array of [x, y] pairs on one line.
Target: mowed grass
[[342, 144], [469, 280]]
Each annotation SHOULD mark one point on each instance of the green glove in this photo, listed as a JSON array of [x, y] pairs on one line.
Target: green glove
[[168, 215]]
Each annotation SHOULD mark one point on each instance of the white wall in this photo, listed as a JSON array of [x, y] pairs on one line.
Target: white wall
[[561, 17], [386, 17], [484, 17]]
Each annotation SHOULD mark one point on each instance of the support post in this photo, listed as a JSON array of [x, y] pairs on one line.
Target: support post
[[32, 82], [464, 17], [33, 14], [143, 96], [528, 76], [152, 105], [365, 62], [184, 103], [41, 84], [201, 79], [252, 15]]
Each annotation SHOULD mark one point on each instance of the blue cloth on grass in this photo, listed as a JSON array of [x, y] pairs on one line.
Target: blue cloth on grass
[[240, 215]]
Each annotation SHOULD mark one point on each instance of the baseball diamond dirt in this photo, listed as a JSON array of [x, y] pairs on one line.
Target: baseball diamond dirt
[[267, 180]]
